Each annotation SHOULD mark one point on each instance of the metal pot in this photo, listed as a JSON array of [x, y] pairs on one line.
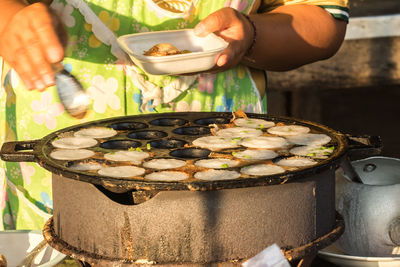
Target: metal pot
[[371, 210], [101, 219]]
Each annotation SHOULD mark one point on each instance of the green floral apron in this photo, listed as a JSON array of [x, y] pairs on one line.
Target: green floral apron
[[116, 87]]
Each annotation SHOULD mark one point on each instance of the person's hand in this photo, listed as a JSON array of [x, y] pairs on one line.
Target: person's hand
[[234, 28], [29, 43]]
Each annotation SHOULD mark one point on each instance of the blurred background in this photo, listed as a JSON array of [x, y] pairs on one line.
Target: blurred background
[[358, 90]]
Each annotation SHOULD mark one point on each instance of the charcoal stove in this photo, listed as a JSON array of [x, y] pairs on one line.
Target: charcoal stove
[[132, 221]]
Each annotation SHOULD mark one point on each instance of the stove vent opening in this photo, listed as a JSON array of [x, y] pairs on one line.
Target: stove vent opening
[[129, 198]]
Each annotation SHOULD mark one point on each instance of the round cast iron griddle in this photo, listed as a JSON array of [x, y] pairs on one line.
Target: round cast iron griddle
[[168, 134]]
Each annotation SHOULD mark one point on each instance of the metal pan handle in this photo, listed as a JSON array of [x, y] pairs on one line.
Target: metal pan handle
[[19, 151], [363, 146]]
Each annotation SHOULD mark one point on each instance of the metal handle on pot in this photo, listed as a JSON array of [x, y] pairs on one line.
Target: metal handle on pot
[[19, 151], [349, 170], [360, 147], [394, 231]]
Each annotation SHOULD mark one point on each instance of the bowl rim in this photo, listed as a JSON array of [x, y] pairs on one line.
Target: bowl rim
[[123, 42], [326, 252], [57, 259]]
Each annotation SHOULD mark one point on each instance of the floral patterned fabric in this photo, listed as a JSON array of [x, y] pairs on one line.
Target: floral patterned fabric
[[25, 197]]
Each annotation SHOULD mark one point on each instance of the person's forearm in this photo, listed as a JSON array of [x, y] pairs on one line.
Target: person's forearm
[[8, 8], [291, 36]]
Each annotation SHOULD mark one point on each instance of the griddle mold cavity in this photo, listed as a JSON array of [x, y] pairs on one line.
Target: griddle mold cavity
[[213, 120], [192, 130], [125, 126], [190, 153], [167, 144], [169, 122], [120, 144], [147, 135]]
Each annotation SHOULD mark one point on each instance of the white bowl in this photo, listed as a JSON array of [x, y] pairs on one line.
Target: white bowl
[[336, 256], [203, 51], [15, 245]]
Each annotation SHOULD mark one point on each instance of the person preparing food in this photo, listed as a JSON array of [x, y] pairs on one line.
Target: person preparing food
[[263, 36]]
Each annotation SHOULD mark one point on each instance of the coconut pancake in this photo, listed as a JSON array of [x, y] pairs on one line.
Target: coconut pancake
[[255, 154], [215, 163], [320, 152], [86, 166], [262, 169], [267, 142], [241, 132], [215, 175], [121, 171], [124, 155], [288, 130], [296, 162], [162, 164], [216, 142], [309, 139], [167, 176], [96, 132], [71, 154], [74, 142], [253, 123]]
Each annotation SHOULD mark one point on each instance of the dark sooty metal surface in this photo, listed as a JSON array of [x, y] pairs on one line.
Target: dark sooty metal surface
[[166, 135]]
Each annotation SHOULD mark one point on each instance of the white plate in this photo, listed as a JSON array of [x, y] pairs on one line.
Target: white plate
[[203, 51], [336, 256], [15, 245]]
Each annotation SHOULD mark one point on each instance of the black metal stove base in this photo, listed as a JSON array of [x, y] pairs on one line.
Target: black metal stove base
[[294, 255]]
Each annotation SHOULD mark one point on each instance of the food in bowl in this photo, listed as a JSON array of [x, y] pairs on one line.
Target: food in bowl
[[3, 261], [164, 49]]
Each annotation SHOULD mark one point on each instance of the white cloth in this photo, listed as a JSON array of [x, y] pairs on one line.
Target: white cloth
[[272, 256]]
